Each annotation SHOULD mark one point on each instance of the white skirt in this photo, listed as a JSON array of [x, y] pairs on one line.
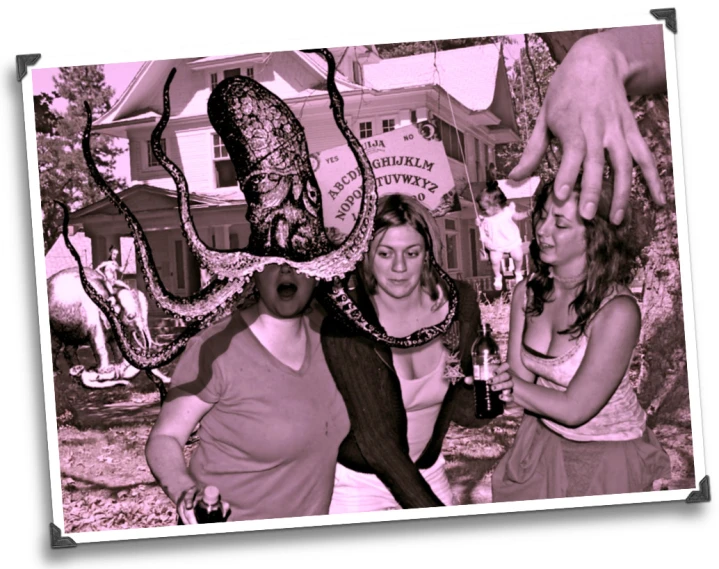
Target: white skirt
[[361, 492]]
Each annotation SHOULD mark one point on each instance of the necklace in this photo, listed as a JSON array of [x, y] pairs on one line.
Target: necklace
[[569, 282]]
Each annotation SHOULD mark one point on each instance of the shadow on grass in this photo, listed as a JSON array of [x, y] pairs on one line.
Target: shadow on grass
[[473, 454], [80, 484]]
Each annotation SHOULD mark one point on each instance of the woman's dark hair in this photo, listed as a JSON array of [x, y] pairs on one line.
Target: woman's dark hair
[[396, 210], [492, 195], [612, 259]]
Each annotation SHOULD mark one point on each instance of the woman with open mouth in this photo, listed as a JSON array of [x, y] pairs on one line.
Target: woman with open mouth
[[271, 416]]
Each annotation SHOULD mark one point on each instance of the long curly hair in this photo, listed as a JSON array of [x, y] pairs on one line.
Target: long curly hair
[[612, 259]]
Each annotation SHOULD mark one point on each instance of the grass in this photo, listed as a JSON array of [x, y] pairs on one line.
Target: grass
[[106, 483]]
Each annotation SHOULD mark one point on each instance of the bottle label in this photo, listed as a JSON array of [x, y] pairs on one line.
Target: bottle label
[[484, 366]]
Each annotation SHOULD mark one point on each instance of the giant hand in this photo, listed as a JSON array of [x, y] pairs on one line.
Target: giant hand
[[586, 108]]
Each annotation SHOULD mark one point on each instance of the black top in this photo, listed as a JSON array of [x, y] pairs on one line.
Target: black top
[[365, 376]]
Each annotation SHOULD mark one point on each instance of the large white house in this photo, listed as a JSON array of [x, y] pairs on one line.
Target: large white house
[[465, 91]]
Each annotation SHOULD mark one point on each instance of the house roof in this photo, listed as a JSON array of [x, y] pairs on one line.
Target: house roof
[[142, 101], [219, 197], [469, 75], [463, 73]]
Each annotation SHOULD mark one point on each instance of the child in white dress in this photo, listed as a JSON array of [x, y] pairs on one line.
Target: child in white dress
[[499, 232]]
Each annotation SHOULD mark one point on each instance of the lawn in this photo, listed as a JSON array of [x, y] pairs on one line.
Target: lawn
[[106, 483]]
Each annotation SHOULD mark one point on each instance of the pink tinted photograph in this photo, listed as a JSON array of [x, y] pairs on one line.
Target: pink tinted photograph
[[356, 283]]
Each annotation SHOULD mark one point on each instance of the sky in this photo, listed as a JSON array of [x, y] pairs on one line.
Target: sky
[[119, 75]]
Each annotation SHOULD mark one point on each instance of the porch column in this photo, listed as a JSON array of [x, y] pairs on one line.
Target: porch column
[[222, 236], [99, 248]]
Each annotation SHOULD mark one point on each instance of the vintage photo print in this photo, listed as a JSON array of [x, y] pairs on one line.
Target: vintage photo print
[[374, 282]]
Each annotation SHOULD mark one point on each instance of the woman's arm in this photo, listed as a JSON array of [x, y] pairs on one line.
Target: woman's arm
[[516, 334], [374, 404], [164, 450], [613, 336]]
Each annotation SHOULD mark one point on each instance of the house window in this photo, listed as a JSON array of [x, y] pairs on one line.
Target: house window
[[451, 241], [237, 71], [365, 129], [225, 175], [452, 139], [413, 116], [387, 125], [151, 160], [232, 72], [213, 80]]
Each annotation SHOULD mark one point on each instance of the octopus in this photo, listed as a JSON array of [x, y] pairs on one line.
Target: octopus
[[269, 151]]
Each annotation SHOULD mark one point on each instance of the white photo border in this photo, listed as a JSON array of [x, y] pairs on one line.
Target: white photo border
[[213, 44]]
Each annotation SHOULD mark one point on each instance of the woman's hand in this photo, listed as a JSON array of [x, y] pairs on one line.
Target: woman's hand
[[502, 380], [187, 502], [186, 505]]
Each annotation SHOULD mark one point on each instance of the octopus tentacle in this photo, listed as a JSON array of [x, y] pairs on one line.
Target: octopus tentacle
[[220, 263], [142, 359], [270, 155], [357, 244], [350, 252], [188, 308], [342, 305]]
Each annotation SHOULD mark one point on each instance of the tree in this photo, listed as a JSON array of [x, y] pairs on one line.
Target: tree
[[45, 118], [64, 175], [392, 50], [528, 81]]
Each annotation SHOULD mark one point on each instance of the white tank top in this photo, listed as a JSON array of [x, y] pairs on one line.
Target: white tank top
[[621, 419], [422, 398]]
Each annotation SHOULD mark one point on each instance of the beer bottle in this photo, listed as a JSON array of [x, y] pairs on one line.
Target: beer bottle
[[485, 359], [209, 509]]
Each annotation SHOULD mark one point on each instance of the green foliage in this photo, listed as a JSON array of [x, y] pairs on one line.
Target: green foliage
[[45, 118], [64, 175], [392, 50], [528, 82]]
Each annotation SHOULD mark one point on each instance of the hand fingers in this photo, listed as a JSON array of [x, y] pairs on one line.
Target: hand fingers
[[573, 154], [187, 515], [593, 172], [622, 168], [503, 384], [533, 153], [507, 396], [226, 511], [645, 159], [188, 498]]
